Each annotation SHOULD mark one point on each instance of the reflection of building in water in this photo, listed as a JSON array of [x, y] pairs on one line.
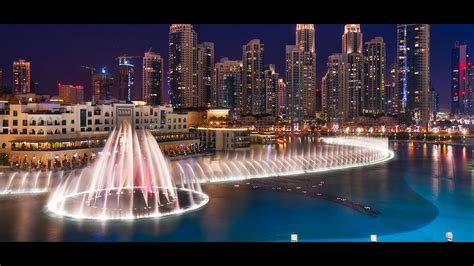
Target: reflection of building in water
[[52, 135]]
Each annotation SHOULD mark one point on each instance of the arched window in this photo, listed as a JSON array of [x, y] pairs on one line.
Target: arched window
[[57, 131], [32, 132], [4, 145], [41, 132]]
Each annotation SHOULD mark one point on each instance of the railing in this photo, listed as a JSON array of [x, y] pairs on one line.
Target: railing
[[58, 148]]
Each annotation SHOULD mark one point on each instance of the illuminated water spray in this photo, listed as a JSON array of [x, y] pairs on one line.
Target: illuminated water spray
[[130, 180]]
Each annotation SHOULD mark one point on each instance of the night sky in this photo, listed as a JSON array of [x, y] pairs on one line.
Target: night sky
[[57, 51]]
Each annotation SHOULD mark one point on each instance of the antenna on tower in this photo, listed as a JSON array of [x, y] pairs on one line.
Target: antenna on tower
[[149, 50]]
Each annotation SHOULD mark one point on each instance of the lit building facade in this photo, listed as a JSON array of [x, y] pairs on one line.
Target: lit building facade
[[334, 87], [281, 97], [126, 80], [300, 66], [355, 84], [102, 86], [413, 60], [253, 87], [71, 94], [394, 96], [461, 89], [205, 69], [45, 132], [227, 85], [271, 88], [374, 76], [434, 103], [182, 65], [352, 39], [223, 139], [21, 76], [152, 83]]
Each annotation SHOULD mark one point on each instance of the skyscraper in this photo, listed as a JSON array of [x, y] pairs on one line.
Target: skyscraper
[[152, 78], [253, 87], [395, 100], [413, 60], [281, 97], [355, 84], [34, 86], [21, 76], [71, 94], [182, 74], [433, 103], [389, 91], [126, 80], [102, 85], [300, 66], [374, 76], [271, 88], [305, 37], [205, 68], [461, 102], [227, 85], [352, 39], [352, 46], [335, 89]]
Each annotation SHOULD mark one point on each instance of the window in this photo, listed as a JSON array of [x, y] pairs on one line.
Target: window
[[83, 118], [15, 113], [24, 131], [83, 129], [137, 114], [169, 126], [89, 113], [63, 122], [72, 121], [179, 120], [174, 126], [15, 122], [184, 126], [89, 129], [72, 129], [4, 145], [106, 128], [174, 120], [89, 122], [63, 131], [25, 122], [97, 129], [5, 123], [137, 121]]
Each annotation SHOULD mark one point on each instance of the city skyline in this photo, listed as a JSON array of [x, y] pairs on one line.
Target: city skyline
[[57, 67]]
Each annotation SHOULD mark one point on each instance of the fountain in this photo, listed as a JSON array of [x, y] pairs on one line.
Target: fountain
[[25, 182], [131, 179], [335, 153]]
